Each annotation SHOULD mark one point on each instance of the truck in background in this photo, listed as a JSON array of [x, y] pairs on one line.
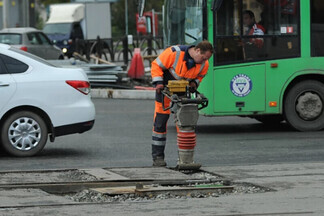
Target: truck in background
[[72, 25]]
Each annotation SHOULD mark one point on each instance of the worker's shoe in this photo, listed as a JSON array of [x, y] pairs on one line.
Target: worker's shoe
[[159, 162]]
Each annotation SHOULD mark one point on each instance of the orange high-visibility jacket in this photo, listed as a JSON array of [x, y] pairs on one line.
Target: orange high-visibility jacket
[[173, 60]]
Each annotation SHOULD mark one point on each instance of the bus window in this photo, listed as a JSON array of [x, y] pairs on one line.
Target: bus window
[[183, 22], [317, 28], [255, 30]]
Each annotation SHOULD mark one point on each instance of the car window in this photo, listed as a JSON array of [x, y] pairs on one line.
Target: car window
[[33, 38], [2, 68], [13, 65], [10, 38], [43, 39]]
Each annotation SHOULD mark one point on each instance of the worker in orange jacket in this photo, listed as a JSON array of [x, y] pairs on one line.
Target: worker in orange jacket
[[175, 63]]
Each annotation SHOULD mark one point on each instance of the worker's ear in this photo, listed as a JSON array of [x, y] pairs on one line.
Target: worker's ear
[[195, 52], [199, 51]]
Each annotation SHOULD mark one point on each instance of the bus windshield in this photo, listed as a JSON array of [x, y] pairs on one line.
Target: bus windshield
[[183, 22]]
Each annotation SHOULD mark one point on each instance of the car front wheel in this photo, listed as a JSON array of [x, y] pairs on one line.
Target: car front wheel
[[24, 133]]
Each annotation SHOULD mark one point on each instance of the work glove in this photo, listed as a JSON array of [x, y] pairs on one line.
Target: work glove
[[159, 88], [192, 87]]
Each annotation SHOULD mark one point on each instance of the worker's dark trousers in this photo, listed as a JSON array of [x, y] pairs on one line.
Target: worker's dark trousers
[[160, 126]]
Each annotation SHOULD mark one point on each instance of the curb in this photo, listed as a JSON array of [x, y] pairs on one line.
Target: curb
[[123, 94]]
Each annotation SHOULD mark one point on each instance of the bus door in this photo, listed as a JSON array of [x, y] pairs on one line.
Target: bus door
[[239, 88]]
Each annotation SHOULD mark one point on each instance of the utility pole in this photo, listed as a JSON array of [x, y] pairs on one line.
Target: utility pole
[[28, 13], [125, 41], [126, 17], [5, 5]]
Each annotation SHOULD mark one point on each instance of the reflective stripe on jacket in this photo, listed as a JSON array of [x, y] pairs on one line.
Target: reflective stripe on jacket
[[172, 60]]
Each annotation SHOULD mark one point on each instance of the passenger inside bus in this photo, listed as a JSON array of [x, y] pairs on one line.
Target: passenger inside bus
[[252, 28], [251, 46]]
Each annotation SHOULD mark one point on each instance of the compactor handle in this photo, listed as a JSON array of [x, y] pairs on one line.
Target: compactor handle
[[173, 98], [200, 100]]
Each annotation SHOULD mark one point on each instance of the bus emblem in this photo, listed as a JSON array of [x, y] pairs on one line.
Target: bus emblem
[[241, 85]]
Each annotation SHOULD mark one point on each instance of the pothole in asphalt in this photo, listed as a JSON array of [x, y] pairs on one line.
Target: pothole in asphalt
[[76, 175], [203, 185]]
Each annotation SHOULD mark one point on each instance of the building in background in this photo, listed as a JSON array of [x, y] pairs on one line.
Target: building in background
[[19, 13]]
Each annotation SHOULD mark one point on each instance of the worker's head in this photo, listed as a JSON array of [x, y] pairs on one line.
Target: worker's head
[[202, 52], [248, 18]]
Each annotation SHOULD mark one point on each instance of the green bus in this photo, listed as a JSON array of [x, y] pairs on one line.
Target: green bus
[[280, 78]]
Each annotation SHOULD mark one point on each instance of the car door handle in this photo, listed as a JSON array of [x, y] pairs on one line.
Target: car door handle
[[4, 84]]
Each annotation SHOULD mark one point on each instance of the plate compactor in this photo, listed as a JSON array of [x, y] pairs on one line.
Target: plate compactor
[[185, 103]]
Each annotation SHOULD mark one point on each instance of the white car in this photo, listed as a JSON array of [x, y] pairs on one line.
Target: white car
[[39, 100]]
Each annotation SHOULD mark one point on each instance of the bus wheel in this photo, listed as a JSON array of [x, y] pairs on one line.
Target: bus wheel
[[303, 106]]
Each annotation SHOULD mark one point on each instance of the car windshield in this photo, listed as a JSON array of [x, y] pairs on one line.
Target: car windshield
[[36, 58], [10, 38], [57, 28]]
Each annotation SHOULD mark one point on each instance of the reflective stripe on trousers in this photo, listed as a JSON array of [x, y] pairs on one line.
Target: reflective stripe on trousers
[[161, 118]]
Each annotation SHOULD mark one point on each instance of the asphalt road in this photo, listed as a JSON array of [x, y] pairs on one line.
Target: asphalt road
[[121, 137]]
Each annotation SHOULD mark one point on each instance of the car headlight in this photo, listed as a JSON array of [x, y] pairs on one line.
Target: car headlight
[[64, 50]]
